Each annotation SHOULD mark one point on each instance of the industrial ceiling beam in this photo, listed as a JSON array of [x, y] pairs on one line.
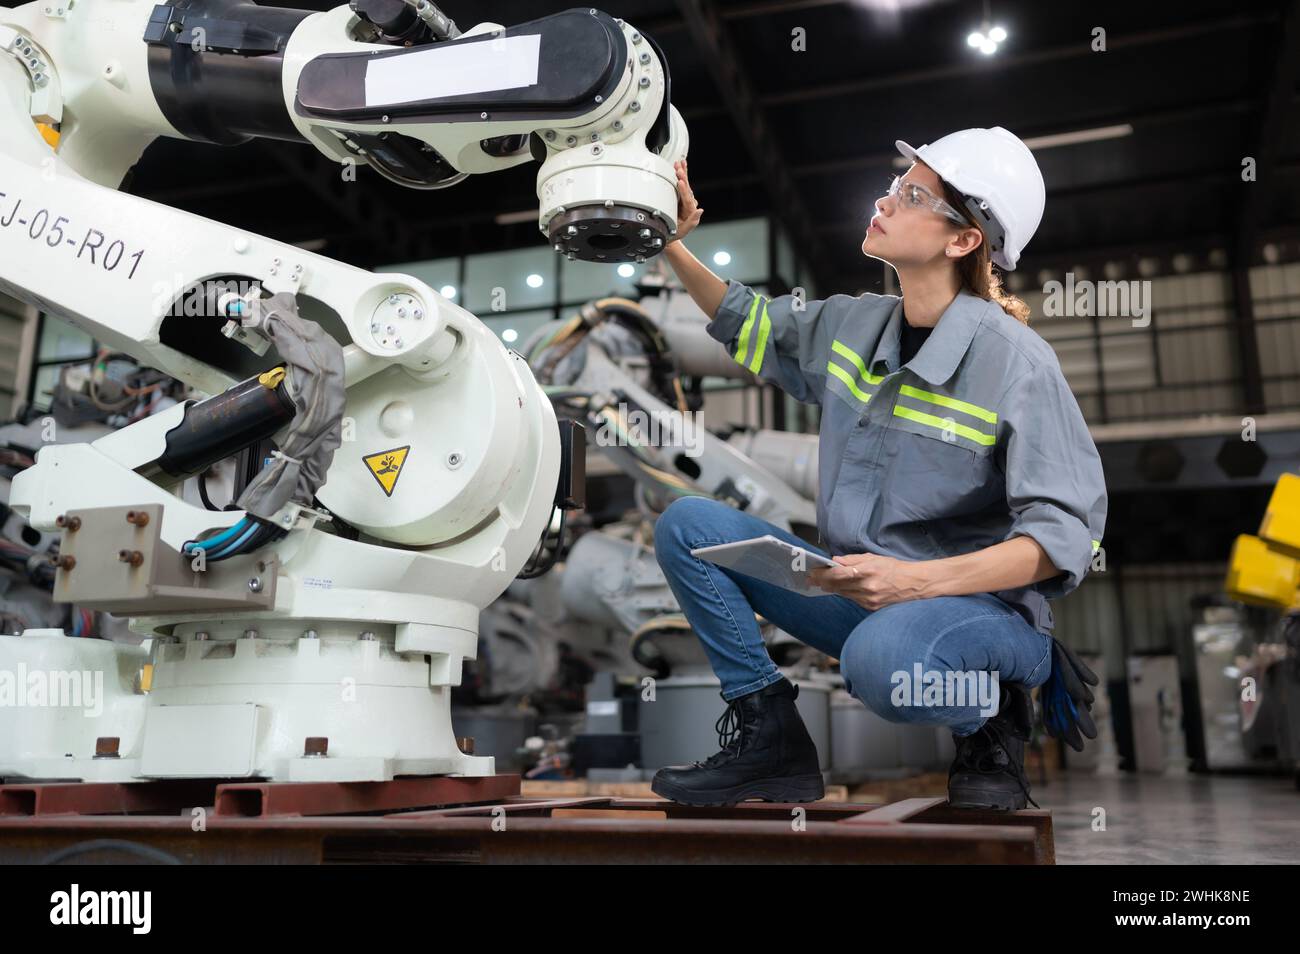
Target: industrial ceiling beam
[[979, 67], [1253, 198], [1139, 121], [657, 26], [385, 230], [724, 65]]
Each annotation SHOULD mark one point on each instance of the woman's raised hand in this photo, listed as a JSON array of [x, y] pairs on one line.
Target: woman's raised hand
[[688, 210]]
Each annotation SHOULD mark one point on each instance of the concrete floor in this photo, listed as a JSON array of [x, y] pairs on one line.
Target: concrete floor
[[1173, 819]]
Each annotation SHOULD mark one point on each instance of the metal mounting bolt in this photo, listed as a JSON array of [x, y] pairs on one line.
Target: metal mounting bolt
[[636, 37], [201, 635], [368, 636], [137, 517], [618, 124], [571, 140], [550, 135], [599, 98], [316, 747], [482, 115], [310, 634], [645, 233], [645, 81], [634, 106], [250, 634], [106, 747], [255, 585], [644, 57], [133, 557]]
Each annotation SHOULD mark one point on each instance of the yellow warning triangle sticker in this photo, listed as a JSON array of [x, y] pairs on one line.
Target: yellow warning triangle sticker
[[386, 466]]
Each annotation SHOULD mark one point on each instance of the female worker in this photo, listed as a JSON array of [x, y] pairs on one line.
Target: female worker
[[959, 491]]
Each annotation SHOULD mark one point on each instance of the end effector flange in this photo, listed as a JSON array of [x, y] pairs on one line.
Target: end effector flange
[[612, 202], [608, 233]]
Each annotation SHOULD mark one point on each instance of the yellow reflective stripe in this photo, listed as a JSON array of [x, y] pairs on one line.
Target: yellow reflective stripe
[[847, 378], [743, 348], [974, 410], [841, 348], [988, 440], [764, 326], [1096, 545]]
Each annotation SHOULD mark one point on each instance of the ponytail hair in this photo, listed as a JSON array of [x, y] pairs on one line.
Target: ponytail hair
[[977, 272]]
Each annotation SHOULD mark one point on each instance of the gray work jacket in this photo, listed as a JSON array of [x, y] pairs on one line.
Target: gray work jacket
[[976, 440]]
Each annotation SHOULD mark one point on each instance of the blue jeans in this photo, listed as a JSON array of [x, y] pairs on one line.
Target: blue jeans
[[948, 634]]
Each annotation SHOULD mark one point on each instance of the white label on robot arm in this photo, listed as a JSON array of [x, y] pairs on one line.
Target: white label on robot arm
[[453, 69]]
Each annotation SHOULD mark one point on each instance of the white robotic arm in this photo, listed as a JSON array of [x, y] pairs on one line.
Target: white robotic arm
[[450, 451], [384, 83]]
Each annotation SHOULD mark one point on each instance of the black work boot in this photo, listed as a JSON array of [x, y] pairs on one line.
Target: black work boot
[[989, 770], [766, 754]]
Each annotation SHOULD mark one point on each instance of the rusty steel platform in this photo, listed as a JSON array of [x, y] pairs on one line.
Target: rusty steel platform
[[486, 821]]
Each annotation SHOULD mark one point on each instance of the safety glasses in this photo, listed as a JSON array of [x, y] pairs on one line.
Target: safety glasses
[[914, 196]]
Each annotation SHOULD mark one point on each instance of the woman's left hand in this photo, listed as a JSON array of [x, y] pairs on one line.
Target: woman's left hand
[[873, 581]]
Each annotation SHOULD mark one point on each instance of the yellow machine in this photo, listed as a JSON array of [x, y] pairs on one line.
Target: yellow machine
[[1265, 569]]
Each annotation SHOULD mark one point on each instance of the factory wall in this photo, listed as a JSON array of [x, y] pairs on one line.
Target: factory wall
[[1183, 361]]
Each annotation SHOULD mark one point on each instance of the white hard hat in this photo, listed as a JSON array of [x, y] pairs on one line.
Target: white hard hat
[[1000, 179]]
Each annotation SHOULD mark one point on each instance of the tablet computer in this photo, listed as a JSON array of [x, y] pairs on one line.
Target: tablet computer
[[770, 559]]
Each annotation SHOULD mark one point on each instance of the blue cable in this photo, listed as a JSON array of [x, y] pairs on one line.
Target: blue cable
[[219, 539], [234, 547]]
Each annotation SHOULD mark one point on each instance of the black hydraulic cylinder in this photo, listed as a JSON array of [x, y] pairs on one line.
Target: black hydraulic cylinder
[[225, 424]]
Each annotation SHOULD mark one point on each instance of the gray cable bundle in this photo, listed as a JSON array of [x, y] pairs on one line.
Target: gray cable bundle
[[314, 363]]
